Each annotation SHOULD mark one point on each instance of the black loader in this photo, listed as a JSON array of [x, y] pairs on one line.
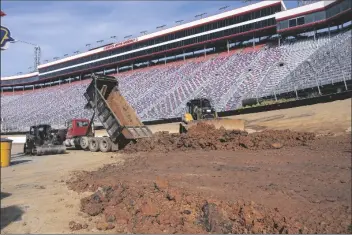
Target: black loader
[[42, 140]]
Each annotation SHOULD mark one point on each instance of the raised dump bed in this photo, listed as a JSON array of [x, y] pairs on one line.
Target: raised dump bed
[[114, 112]]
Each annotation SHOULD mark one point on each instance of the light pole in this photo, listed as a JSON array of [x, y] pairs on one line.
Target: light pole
[[128, 36], [144, 32], [200, 15], [161, 26], [37, 53], [223, 8], [179, 22]]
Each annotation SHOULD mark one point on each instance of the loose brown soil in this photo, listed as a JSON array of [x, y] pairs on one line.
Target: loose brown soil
[[207, 137], [274, 182]]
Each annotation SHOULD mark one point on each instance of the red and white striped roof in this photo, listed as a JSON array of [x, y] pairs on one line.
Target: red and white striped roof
[[226, 14]]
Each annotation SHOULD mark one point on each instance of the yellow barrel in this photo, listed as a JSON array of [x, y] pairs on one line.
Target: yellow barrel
[[6, 145]]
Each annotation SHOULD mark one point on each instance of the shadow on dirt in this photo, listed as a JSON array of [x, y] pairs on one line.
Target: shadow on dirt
[[5, 195], [13, 163], [10, 214]]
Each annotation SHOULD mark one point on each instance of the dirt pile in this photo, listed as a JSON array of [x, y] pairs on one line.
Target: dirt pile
[[207, 137], [159, 208]]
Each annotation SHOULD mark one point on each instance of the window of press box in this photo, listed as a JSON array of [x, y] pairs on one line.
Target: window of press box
[[292, 23], [300, 20]]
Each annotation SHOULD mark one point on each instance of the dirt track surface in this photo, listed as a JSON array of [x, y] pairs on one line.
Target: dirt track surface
[[291, 189], [308, 183], [207, 137]]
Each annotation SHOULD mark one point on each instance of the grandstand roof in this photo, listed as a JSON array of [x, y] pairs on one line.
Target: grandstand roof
[[27, 75], [194, 23], [303, 10]]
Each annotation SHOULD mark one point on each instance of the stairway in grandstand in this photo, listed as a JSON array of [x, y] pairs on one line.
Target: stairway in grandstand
[[226, 78]]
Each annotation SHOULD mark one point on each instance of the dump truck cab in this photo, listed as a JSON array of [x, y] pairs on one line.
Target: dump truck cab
[[77, 128]]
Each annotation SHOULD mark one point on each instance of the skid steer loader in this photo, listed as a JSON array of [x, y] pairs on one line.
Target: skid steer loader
[[42, 140], [201, 111]]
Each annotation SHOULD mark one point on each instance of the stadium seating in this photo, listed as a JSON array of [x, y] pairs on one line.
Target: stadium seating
[[162, 91]]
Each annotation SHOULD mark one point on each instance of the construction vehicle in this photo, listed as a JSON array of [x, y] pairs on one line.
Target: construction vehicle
[[42, 140], [77, 132], [113, 111], [200, 110]]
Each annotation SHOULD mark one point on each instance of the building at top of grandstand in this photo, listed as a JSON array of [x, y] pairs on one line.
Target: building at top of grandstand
[[216, 33]]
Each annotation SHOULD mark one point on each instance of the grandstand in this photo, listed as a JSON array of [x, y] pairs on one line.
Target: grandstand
[[261, 50]]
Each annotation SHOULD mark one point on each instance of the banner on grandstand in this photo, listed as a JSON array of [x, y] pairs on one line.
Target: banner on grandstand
[[5, 38]]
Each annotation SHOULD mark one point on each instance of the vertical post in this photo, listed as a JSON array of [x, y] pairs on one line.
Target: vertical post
[[13, 90], [132, 66], [316, 80], [184, 55], [205, 52], [344, 80], [117, 69], [315, 32], [275, 95], [296, 92], [33, 87], [279, 40], [228, 47], [329, 30], [165, 59], [253, 41], [95, 97]]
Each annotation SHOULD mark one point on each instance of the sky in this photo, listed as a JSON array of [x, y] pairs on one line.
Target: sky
[[63, 27]]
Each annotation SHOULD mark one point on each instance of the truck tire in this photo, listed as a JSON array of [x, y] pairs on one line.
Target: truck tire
[[84, 142], [94, 144], [105, 144]]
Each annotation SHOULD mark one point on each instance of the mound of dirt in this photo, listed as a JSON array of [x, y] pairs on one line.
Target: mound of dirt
[[159, 208], [207, 137]]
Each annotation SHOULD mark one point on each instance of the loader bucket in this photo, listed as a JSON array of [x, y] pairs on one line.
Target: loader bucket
[[50, 150], [228, 124]]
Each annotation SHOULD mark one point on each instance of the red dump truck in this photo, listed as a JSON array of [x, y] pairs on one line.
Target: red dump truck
[[113, 111]]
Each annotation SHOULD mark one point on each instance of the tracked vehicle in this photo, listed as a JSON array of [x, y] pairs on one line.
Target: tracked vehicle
[[201, 111]]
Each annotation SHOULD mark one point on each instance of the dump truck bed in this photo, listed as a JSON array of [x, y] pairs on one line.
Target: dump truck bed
[[113, 111]]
